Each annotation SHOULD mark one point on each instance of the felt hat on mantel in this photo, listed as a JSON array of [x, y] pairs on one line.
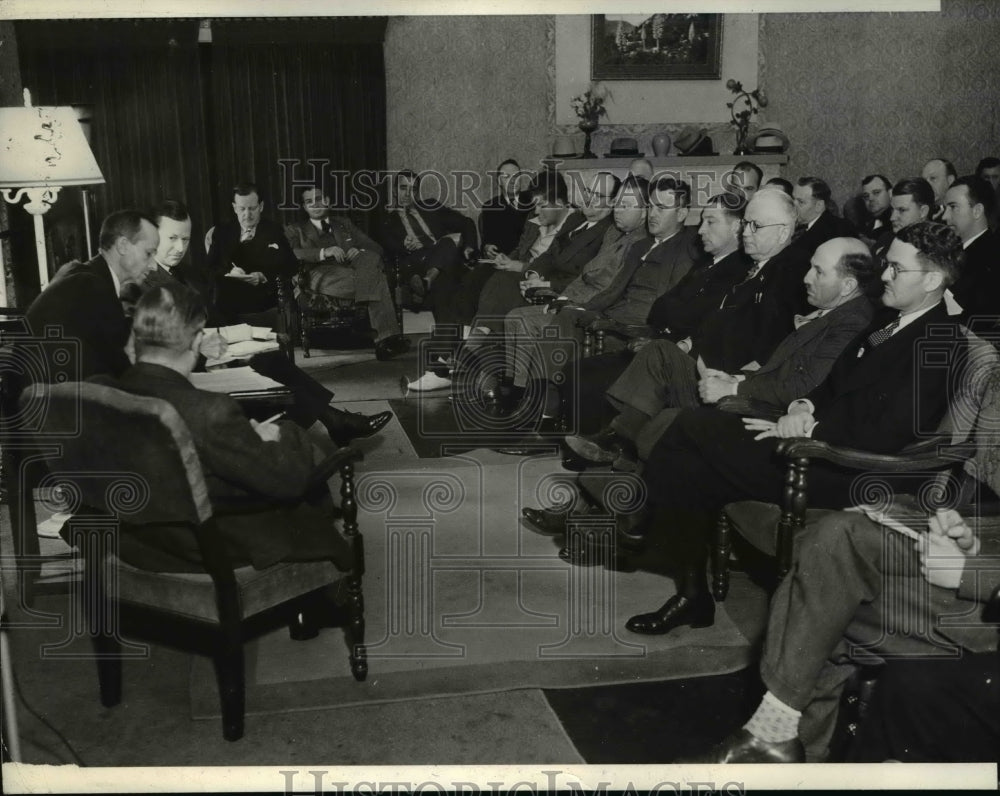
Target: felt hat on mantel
[[694, 141], [624, 148]]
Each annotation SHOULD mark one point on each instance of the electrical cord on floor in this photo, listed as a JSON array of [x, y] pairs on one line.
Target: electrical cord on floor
[[27, 706]]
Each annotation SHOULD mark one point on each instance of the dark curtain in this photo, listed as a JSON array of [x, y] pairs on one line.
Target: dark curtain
[[142, 81], [172, 118], [297, 91]]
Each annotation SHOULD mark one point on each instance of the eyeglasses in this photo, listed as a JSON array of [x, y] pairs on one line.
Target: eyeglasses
[[895, 270], [753, 226]]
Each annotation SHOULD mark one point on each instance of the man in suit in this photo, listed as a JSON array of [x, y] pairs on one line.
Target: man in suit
[[940, 174], [430, 241], [816, 224], [841, 284], [257, 474], [912, 201], [85, 299], [247, 257], [744, 180], [579, 239], [345, 263], [173, 222], [629, 229], [967, 208], [503, 217], [876, 193], [875, 399], [851, 597]]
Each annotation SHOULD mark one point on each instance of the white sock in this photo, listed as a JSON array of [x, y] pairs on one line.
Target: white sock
[[429, 381], [774, 721]]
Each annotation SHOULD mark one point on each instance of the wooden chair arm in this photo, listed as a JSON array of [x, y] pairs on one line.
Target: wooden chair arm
[[925, 455], [749, 407], [325, 470]]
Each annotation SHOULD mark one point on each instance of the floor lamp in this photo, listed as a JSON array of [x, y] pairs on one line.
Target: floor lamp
[[44, 150]]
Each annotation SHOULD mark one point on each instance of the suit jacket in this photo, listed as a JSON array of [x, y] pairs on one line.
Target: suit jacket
[[826, 227], [756, 314], [648, 273], [242, 473], [522, 251], [306, 241], [564, 260], [440, 220], [82, 302], [268, 251], [501, 223], [978, 287], [804, 358], [676, 314], [599, 273], [876, 398], [870, 231]]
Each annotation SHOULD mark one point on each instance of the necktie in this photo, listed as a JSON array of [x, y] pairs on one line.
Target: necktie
[[420, 230], [879, 336], [802, 320], [247, 234], [327, 227]]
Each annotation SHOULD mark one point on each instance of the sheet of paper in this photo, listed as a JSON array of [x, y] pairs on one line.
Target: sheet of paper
[[230, 380]]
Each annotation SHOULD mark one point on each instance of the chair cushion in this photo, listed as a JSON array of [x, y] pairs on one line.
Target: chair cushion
[[757, 522], [192, 595]]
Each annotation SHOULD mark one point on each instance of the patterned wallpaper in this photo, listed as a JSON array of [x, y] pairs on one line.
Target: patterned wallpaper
[[855, 93], [862, 93], [466, 92]]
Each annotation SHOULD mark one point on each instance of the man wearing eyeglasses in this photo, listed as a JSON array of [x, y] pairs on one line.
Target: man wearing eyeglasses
[[878, 397]]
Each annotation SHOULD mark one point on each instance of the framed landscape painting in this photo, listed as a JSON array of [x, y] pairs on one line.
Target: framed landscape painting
[[655, 46]]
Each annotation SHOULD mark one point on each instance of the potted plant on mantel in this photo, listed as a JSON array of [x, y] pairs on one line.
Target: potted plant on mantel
[[745, 106], [589, 108]]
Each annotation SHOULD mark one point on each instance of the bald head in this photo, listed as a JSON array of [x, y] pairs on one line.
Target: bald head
[[641, 167], [768, 224], [841, 269]]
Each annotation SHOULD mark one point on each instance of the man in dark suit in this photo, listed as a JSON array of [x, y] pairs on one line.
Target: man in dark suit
[[841, 284], [430, 241], [912, 201], [816, 224], [859, 592], [173, 222], [876, 193], [247, 257], [257, 474], [875, 399], [85, 299], [967, 208], [345, 263], [940, 173]]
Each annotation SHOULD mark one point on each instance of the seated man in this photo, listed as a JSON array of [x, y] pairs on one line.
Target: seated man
[[841, 284], [876, 399], [816, 224], [87, 303], [744, 180], [246, 258], [876, 193], [968, 205], [628, 230], [345, 263], [912, 201], [851, 597], [245, 463], [940, 173], [989, 169], [430, 241], [503, 217]]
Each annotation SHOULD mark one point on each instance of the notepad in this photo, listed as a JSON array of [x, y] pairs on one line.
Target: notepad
[[230, 380], [881, 518]]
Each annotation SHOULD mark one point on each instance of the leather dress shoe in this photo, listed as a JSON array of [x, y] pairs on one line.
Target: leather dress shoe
[[591, 556], [391, 347], [744, 747], [601, 448], [552, 520], [678, 611], [349, 426]]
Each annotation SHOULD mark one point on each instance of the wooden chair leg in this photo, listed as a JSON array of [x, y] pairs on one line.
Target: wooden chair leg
[[720, 557], [230, 672], [599, 342], [793, 512]]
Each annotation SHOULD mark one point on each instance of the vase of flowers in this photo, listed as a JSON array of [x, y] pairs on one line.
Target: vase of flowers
[[589, 108], [742, 109]]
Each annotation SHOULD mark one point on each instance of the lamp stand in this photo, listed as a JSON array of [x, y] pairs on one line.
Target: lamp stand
[[86, 221], [39, 201]]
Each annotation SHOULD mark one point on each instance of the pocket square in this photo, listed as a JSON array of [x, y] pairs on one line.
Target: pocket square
[[272, 245]]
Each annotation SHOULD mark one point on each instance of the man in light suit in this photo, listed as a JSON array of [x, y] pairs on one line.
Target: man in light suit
[[842, 283], [851, 598], [257, 474], [345, 263], [876, 398]]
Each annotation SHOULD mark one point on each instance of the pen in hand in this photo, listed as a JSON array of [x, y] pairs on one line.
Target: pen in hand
[[276, 418]]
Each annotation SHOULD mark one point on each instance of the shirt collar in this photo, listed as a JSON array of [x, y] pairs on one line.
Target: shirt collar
[[974, 238]]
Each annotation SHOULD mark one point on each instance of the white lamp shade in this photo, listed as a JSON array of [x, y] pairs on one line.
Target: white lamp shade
[[44, 147]]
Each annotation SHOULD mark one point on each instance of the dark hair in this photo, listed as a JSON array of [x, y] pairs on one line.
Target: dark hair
[[980, 191], [746, 165], [411, 175], [509, 162], [949, 167], [122, 224], [781, 183], [168, 317], [731, 203], [616, 182], [820, 190], [636, 186], [172, 209], [678, 188], [987, 163], [245, 188], [872, 177], [866, 269], [938, 245], [918, 188], [549, 186]]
